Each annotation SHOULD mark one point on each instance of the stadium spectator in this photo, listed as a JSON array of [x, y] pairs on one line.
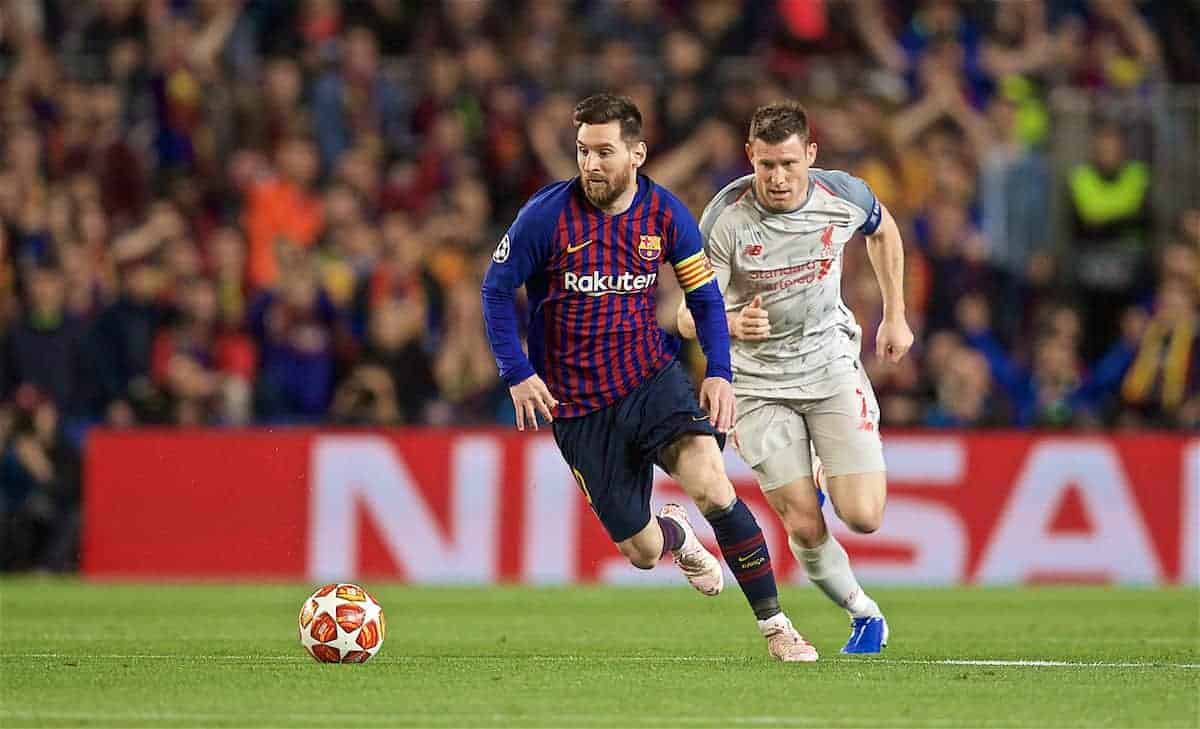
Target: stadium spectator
[[464, 368], [957, 258], [1159, 387], [294, 325], [204, 373], [358, 104], [964, 393], [47, 348], [122, 336], [1110, 199], [1108, 46], [272, 110], [39, 488], [393, 382], [226, 265], [1014, 189], [282, 211]]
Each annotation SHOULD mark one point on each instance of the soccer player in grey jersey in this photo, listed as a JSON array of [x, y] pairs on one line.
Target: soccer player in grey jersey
[[775, 239]]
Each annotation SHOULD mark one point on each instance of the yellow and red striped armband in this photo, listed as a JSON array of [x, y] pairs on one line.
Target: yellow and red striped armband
[[694, 271]]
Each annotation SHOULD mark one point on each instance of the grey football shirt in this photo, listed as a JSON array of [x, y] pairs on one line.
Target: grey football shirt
[[794, 260]]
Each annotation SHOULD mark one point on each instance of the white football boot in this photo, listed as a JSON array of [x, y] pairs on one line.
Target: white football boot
[[702, 569], [784, 643]]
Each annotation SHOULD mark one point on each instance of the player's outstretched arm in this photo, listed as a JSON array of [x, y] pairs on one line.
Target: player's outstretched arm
[[886, 252], [516, 258]]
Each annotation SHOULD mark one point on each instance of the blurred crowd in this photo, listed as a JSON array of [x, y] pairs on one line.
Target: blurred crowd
[[224, 212]]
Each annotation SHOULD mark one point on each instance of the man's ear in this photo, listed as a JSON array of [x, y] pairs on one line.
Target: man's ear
[[749, 154], [812, 152], [639, 154]]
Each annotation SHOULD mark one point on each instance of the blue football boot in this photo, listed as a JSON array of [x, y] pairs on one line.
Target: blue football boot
[[867, 635]]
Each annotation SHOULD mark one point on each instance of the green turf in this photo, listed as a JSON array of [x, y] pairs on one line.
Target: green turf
[[74, 654]]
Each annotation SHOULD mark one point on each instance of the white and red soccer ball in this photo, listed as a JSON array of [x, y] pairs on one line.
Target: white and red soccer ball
[[342, 623]]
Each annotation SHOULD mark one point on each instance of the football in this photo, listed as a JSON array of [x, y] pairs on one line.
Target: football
[[341, 623]]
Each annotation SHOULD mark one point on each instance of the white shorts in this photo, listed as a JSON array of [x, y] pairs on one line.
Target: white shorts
[[773, 435]]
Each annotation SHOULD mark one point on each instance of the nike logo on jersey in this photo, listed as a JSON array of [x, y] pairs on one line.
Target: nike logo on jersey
[[579, 247]]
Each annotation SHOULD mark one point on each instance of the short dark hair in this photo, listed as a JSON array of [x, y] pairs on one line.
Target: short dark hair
[[605, 108], [775, 122]]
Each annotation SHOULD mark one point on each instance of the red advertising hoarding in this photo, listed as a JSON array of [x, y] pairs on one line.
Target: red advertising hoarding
[[432, 506]]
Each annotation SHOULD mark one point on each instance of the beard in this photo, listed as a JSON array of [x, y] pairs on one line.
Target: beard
[[603, 194]]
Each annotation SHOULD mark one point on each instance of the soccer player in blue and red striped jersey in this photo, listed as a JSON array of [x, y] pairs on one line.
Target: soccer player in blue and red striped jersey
[[603, 372]]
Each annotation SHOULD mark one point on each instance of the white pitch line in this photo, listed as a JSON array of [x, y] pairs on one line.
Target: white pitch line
[[617, 659], [474, 719], [1031, 664]]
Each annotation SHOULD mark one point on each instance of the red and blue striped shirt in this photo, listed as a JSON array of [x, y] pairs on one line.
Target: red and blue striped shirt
[[591, 281]]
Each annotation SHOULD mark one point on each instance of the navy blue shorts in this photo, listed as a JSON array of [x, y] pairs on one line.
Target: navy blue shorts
[[612, 451]]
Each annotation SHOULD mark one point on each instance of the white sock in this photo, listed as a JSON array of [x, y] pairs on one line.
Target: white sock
[[828, 567]]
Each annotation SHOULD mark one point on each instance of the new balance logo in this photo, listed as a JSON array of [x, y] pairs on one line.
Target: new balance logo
[[598, 284]]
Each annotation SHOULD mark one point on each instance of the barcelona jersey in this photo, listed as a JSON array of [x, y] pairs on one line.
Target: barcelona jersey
[[591, 281]]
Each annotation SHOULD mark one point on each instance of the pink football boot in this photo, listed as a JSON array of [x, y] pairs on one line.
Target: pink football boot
[[697, 563], [784, 643]]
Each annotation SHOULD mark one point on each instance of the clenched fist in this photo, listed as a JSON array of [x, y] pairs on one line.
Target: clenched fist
[[751, 323], [893, 339]]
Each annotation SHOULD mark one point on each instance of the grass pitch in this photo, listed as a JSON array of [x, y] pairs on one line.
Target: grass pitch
[[79, 654]]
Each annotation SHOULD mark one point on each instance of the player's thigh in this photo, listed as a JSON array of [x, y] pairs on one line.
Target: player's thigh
[[676, 434], [696, 462], [772, 438], [845, 433], [664, 409], [845, 430], [615, 483]]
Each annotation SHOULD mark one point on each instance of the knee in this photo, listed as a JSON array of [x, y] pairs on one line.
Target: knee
[[863, 521], [714, 499], [809, 533], [639, 558], [702, 476], [804, 527]]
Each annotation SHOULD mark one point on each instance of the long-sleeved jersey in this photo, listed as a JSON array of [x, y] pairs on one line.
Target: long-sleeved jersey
[[591, 281], [794, 260]]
